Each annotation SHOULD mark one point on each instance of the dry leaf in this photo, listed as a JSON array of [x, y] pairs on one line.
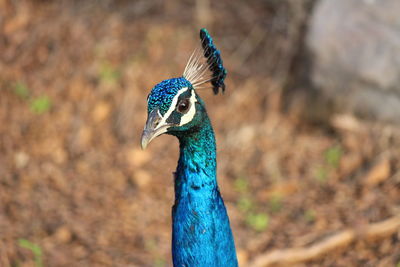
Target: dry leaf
[[379, 173]]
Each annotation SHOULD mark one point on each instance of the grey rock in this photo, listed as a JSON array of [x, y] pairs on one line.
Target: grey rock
[[355, 48]]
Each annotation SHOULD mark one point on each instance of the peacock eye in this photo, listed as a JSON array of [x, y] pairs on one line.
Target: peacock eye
[[183, 105]]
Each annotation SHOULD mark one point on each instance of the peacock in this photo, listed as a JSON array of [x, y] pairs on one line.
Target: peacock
[[201, 233]]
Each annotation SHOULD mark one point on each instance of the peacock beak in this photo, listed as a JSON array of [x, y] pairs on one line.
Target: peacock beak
[[155, 126]]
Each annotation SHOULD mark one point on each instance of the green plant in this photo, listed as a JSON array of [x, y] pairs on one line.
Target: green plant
[[159, 262], [333, 155], [241, 185], [245, 204], [150, 244], [108, 73], [321, 174], [258, 221], [332, 158], [40, 104], [309, 215], [36, 250], [21, 90], [275, 203]]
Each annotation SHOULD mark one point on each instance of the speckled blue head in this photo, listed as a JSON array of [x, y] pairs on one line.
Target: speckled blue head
[[162, 94]]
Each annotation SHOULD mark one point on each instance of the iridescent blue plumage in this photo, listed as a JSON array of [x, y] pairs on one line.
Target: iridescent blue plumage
[[214, 61], [201, 230], [201, 233], [161, 95]]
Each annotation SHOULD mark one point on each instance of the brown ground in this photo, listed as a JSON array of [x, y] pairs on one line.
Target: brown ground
[[73, 180]]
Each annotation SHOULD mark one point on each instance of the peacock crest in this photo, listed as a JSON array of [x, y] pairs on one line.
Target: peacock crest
[[206, 65]]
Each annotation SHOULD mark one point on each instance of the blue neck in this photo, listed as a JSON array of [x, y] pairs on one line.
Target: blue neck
[[201, 230], [196, 169]]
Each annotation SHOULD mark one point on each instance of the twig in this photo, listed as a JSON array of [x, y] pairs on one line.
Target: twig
[[341, 239]]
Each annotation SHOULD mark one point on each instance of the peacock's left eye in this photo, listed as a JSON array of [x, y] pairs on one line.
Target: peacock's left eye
[[183, 106]]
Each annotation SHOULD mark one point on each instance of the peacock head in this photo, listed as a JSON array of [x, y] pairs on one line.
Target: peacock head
[[173, 105]]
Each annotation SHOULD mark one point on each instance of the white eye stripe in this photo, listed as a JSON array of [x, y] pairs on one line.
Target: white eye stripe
[[172, 107], [192, 111]]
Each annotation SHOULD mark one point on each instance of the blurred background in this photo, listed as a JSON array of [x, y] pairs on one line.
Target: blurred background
[[307, 130]]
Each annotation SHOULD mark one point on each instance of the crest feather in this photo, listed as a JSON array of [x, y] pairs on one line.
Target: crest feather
[[206, 65]]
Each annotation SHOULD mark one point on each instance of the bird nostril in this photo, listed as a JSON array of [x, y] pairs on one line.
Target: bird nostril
[[157, 121]]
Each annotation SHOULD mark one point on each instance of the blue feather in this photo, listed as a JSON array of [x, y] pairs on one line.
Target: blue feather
[[214, 61], [161, 95], [201, 230]]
